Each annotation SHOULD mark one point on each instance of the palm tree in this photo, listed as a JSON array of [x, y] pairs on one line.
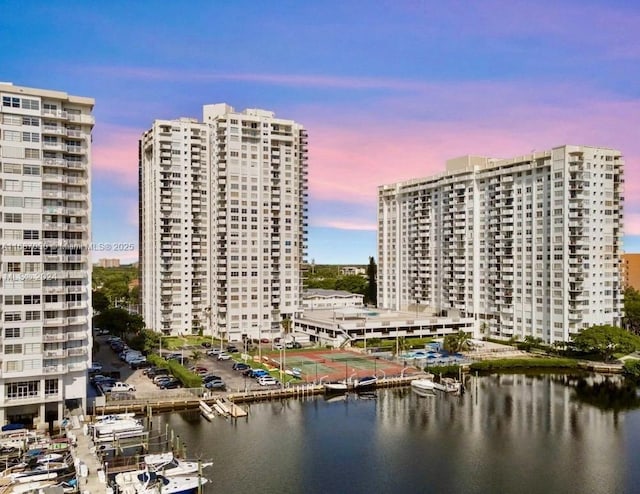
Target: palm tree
[[196, 355]]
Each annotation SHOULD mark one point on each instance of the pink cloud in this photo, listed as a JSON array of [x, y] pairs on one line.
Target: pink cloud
[[115, 153], [350, 159], [344, 224]]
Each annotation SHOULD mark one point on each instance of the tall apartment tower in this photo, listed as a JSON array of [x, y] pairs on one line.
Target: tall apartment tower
[[223, 223], [45, 291], [528, 246]]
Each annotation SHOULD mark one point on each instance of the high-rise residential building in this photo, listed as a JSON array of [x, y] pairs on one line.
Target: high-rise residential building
[[109, 263], [223, 217], [630, 270], [45, 153], [527, 246]]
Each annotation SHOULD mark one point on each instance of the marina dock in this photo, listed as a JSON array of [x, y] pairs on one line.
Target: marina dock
[[192, 402]]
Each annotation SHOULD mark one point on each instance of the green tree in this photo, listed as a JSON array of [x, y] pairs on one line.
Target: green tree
[[99, 301], [119, 322], [371, 294], [196, 356], [456, 342], [606, 341], [632, 310], [351, 284]]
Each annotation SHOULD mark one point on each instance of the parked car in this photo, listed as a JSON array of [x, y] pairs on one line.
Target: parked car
[[224, 356], [196, 369], [206, 344], [267, 381], [214, 352], [258, 373], [239, 366], [140, 363], [95, 367], [171, 383], [162, 377], [210, 377], [157, 371], [120, 386], [232, 349], [278, 346], [215, 384]]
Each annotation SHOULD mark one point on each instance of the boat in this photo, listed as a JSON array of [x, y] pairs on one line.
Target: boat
[[116, 428], [365, 383], [206, 411], [423, 384], [335, 387], [448, 385], [146, 482], [169, 466]]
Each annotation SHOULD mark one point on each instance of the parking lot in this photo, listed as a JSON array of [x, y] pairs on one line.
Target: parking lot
[[234, 380]]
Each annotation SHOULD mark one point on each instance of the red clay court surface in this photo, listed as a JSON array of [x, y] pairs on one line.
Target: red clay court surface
[[331, 365]]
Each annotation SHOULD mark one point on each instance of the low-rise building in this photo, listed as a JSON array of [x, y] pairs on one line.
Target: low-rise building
[[344, 326], [320, 298]]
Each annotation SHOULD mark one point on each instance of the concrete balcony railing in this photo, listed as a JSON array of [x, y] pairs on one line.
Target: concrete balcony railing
[[54, 338], [74, 352]]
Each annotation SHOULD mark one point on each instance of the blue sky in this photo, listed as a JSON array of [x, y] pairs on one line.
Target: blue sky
[[387, 89]]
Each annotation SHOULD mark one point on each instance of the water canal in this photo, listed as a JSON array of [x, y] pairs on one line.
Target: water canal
[[507, 433]]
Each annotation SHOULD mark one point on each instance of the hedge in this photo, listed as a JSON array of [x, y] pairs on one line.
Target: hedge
[[525, 363], [187, 378]]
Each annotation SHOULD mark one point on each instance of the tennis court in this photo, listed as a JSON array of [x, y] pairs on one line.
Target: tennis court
[[330, 365]]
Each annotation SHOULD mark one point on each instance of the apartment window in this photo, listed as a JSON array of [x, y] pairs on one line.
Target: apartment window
[[13, 300], [12, 316], [32, 300], [24, 389], [30, 104], [11, 102], [32, 153], [11, 135], [32, 315], [50, 387], [13, 202], [9, 119], [30, 137], [32, 202], [12, 349], [12, 168], [32, 121], [12, 332], [12, 185]]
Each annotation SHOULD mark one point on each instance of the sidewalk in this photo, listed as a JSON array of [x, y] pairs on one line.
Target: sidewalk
[[90, 474]]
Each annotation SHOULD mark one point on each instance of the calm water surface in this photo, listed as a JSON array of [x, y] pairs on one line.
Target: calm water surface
[[507, 433]]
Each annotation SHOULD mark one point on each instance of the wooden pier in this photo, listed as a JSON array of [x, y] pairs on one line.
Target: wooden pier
[[229, 400]]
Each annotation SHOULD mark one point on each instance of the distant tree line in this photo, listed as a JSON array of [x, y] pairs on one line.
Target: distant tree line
[[328, 277]]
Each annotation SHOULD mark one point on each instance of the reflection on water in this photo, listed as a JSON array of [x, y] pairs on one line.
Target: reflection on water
[[507, 433]]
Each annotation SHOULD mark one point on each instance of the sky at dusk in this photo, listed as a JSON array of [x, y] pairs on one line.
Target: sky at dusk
[[388, 90]]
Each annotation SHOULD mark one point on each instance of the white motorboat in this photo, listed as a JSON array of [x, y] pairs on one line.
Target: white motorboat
[[365, 383], [145, 482], [120, 428], [423, 384], [336, 387], [169, 466], [448, 385], [206, 411]]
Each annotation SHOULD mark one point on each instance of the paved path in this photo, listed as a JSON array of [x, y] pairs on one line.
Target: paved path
[[84, 452]]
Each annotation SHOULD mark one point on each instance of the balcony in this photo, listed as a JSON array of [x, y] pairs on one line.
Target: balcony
[[55, 321], [54, 337], [59, 353], [74, 352]]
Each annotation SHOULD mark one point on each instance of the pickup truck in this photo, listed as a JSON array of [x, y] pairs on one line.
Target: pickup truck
[[119, 387]]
